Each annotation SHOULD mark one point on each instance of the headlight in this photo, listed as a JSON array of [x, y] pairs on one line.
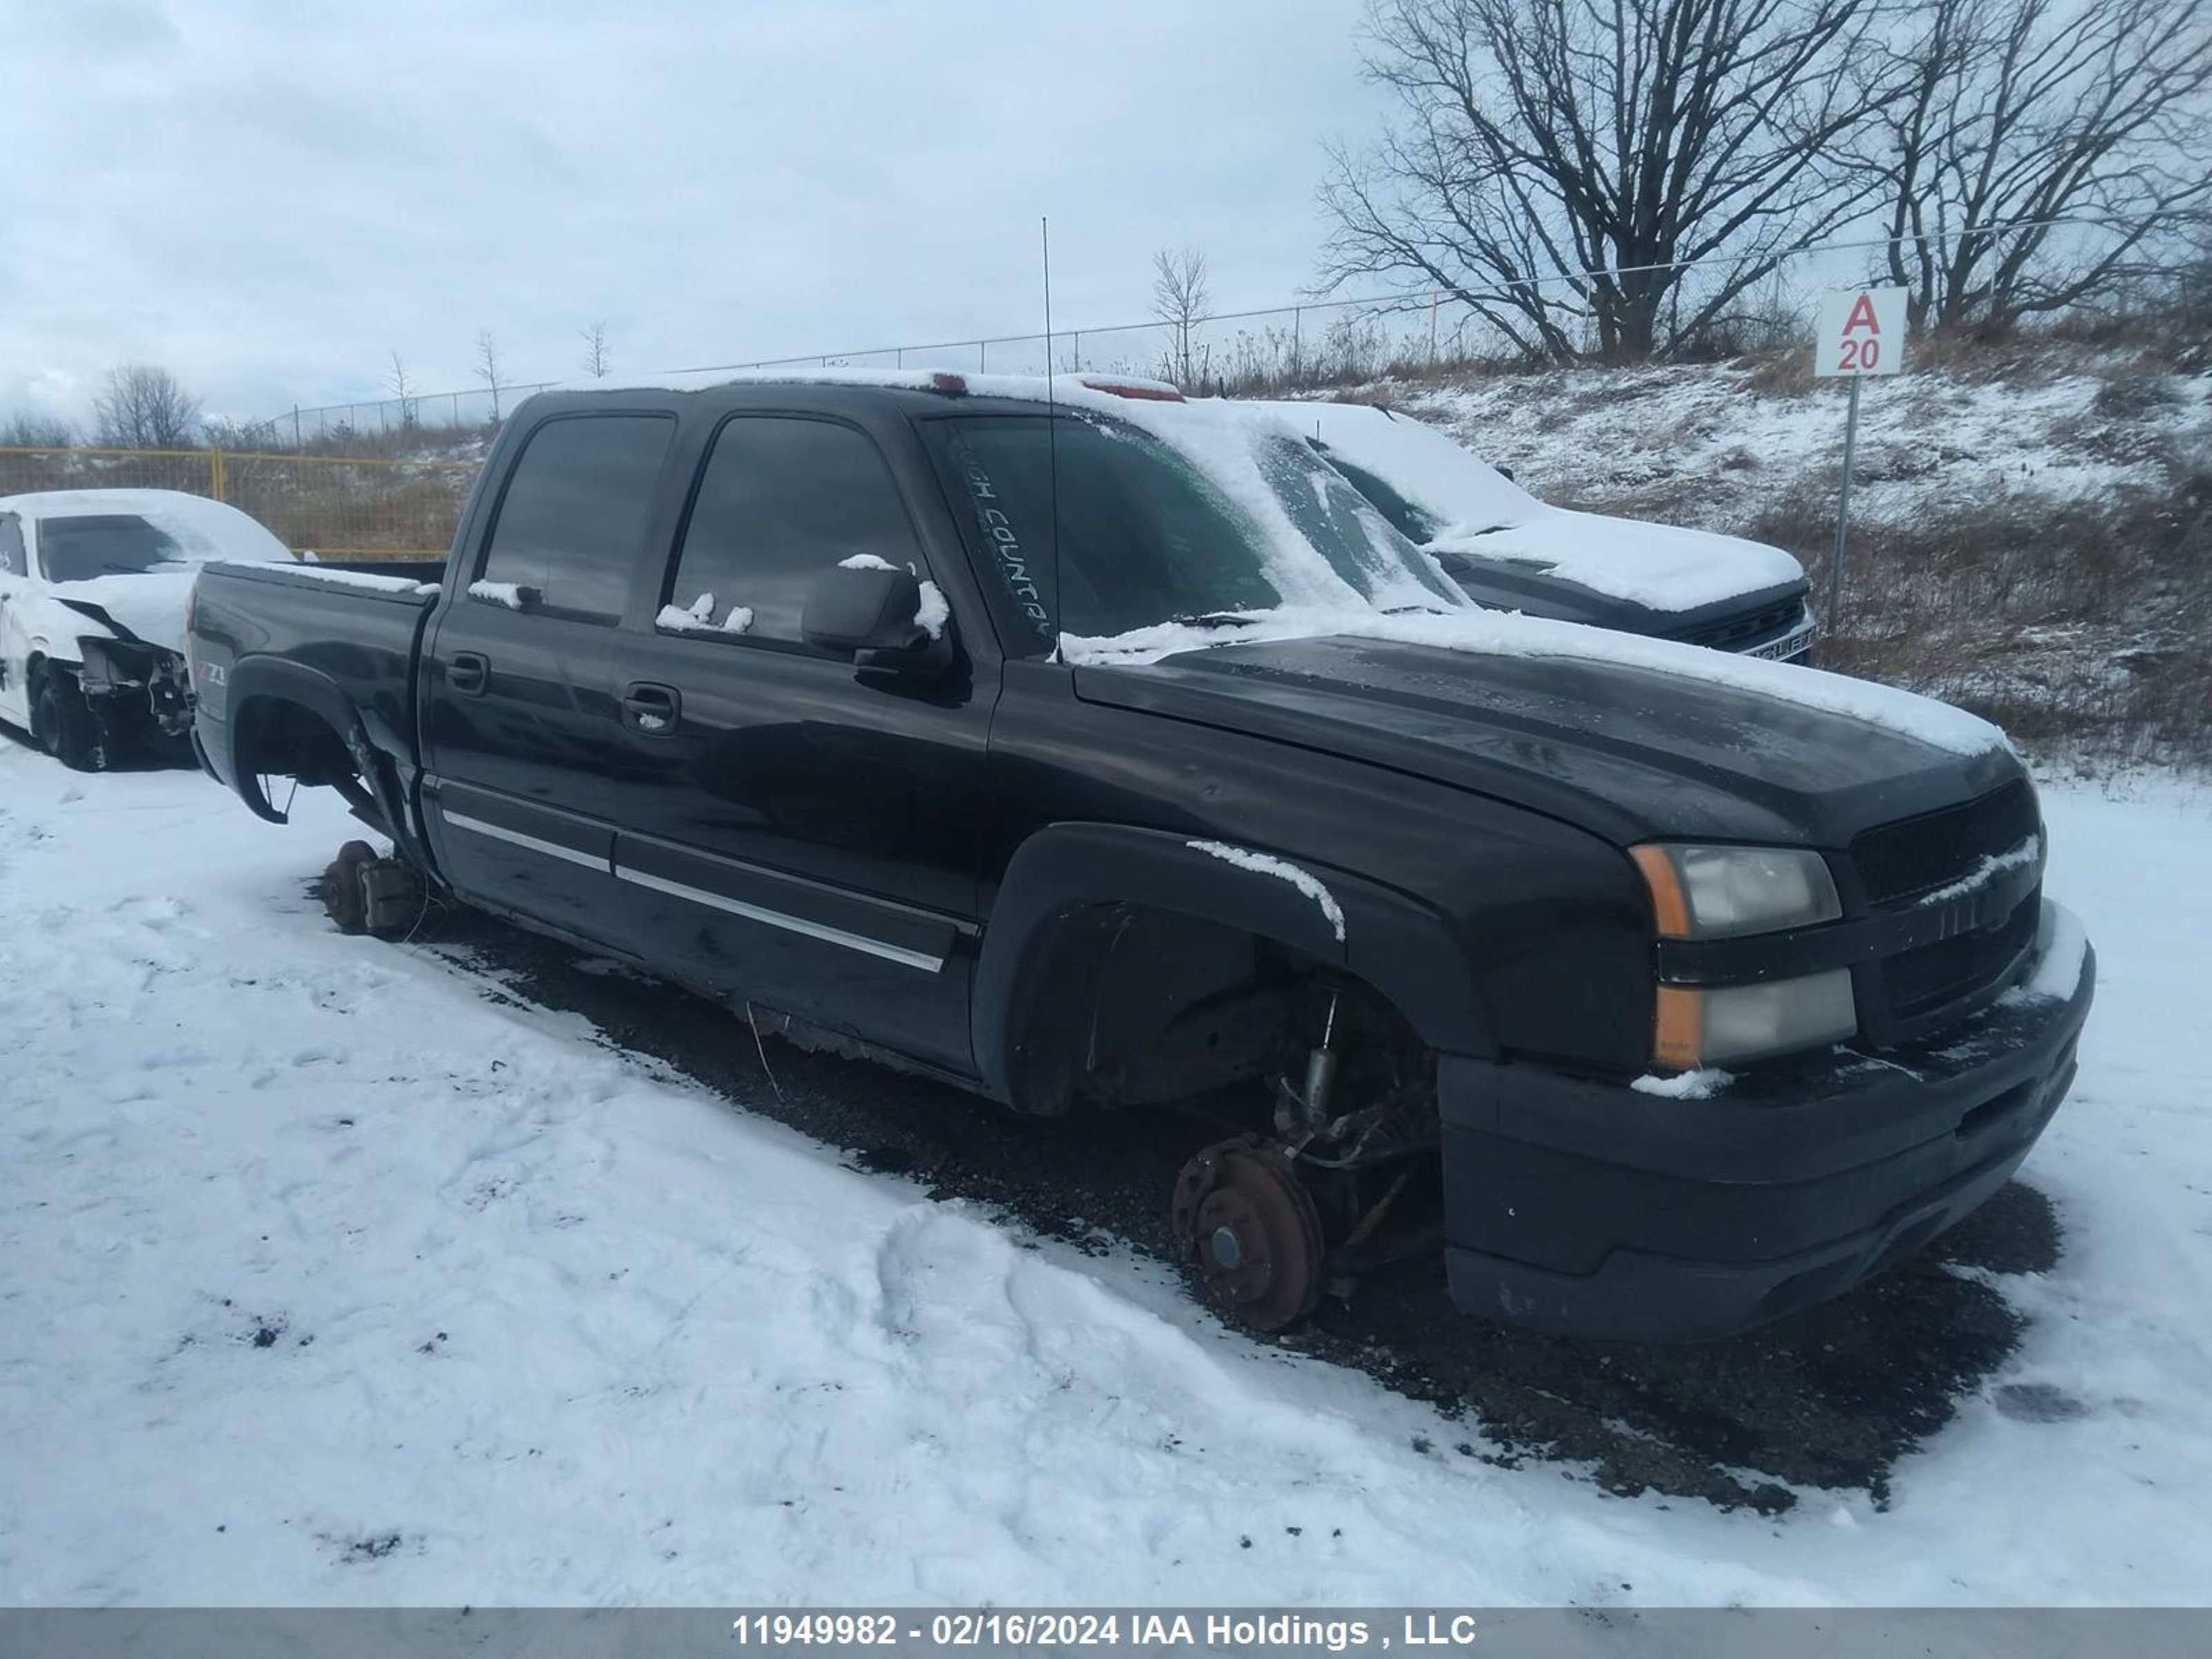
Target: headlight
[[1727, 1025], [1719, 892]]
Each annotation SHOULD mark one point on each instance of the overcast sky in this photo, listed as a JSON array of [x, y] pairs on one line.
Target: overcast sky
[[270, 198]]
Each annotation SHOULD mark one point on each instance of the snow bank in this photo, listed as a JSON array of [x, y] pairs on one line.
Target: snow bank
[[1502, 634], [1282, 870]]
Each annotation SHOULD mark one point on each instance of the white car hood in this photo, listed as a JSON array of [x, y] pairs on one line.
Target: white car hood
[[151, 605]]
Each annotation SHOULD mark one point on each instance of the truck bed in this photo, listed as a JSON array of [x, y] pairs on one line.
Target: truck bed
[[358, 624]]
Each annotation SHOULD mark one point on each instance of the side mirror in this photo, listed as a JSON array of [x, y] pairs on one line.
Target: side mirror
[[872, 614]]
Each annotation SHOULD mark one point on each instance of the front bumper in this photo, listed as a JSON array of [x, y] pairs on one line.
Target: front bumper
[[1590, 1209]]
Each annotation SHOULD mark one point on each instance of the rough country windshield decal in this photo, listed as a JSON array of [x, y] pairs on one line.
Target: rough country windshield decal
[[1000, 538]]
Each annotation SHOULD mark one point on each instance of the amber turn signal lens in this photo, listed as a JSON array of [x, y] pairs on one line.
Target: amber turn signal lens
[[1669, 908], [1679, 1033]]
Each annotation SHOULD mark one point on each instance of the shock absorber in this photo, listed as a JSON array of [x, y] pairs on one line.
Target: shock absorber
[[1303, 1113]]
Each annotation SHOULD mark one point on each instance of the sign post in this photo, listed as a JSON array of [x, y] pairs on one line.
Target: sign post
[[1861, 332]]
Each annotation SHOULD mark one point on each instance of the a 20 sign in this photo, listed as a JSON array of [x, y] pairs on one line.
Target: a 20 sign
[[1861, 332]]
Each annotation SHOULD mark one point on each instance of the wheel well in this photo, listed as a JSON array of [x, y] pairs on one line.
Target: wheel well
[[1128, 1004], [275, 736]]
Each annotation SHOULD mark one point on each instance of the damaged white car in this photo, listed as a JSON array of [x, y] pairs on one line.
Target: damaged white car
[[93, 586]]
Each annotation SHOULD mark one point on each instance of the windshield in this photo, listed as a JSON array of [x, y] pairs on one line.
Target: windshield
[[1142, 535], [103, 544]]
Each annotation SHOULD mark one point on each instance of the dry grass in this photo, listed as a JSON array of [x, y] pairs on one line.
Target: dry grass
[[2083, 627]]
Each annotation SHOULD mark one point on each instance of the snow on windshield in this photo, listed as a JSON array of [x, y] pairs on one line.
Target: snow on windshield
[[1448, 486], [1452, 501]]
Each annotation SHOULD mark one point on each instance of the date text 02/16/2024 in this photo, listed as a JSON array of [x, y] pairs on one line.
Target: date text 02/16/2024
[[1113, 1629]]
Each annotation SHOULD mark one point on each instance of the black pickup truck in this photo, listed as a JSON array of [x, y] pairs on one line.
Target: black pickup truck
[[1093, 750]]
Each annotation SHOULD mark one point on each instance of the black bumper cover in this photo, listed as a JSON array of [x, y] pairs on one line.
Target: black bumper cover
[[1590, 1209]]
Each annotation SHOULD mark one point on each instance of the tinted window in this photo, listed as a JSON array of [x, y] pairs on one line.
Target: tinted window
[[77, 550], [780, 502], [12, 559], [573, 523]]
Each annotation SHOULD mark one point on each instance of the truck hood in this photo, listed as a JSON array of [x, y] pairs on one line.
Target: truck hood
[[1628, 750]]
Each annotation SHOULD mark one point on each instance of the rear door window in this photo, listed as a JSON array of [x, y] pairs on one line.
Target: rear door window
[[781, 499], [573, 523], [13, 560]]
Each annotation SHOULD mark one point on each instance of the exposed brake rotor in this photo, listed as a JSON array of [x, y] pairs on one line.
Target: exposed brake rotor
[[341, 889], [1251, 1230]]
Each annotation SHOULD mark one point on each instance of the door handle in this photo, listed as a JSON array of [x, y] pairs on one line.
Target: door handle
[[468, 673], [650, 708]]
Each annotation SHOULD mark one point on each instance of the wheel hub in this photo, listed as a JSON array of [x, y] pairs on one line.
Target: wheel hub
[[1251, 1231]]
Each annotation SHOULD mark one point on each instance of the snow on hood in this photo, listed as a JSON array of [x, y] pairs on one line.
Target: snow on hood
[[150, 605], [1662, 567], [1509, 633], [1481, 513]]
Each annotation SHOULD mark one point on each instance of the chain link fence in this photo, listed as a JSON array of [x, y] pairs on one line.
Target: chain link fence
[[337, 506]]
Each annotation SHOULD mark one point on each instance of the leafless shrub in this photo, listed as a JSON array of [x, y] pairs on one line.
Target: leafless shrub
[[23, 430], [487, 366], [1181, 300], [144, 407]]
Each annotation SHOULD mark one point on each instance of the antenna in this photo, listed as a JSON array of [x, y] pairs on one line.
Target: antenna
[[1052, 443]]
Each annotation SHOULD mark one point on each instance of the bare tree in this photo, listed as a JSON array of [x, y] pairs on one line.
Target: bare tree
[[1556, 164], [2023, 111], [596, 361], [1180, 300], [146, 408], [402, 391], [488, 367], [23, 430]]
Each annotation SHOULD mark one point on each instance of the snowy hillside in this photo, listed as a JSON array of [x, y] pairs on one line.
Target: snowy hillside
[[1723, 444], [335, 1272]]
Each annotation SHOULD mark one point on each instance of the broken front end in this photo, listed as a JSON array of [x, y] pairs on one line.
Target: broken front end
[[139, 693]]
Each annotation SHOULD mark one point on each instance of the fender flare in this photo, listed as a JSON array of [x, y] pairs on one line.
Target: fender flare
[[275, 679], [1392, 942]]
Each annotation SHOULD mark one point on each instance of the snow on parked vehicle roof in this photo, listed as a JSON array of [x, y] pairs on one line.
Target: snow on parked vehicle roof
[[1480, 512], [203, 530]]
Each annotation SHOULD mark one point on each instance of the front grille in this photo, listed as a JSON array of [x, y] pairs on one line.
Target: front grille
[[1949, 970], [1918, 855], [1731, 631]]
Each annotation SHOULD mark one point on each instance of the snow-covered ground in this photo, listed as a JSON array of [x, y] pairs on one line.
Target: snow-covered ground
[[327, 1277]]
